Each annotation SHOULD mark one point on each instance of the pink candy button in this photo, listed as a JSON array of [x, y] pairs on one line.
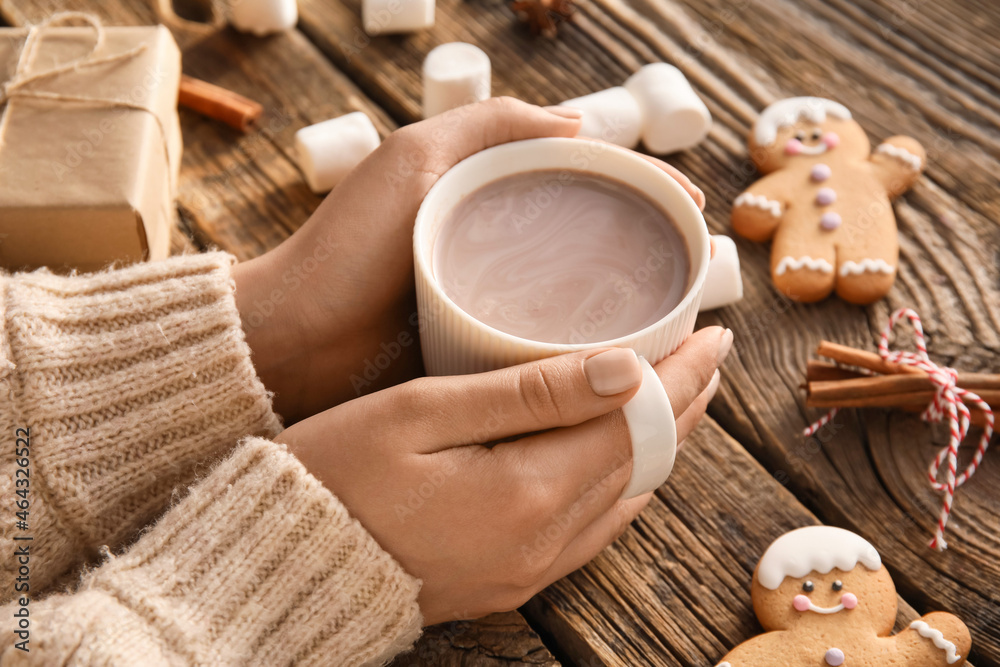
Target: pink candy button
[[830, 220], [801, 603], [820, 172], [834, 657], [849, 600]]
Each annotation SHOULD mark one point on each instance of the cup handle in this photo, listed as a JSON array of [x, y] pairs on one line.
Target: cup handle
[[651, 426], [723, 284]]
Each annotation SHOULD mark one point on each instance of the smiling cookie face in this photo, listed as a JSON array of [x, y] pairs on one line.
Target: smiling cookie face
[[856, 598], [807, 142], [805, 131], [821, 575]]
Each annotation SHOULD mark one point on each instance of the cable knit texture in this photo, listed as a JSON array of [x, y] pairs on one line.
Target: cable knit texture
[[128, 380], [134, 383]]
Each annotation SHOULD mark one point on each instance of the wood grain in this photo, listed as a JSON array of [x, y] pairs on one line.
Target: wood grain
[[675, 590], [244, 194], [911, 68]]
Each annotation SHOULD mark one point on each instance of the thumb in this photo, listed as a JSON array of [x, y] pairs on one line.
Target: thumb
[[467, 130], [558, 391]]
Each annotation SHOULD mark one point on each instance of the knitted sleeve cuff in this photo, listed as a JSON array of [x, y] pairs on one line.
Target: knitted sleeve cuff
[[128, 380], [258, 565]]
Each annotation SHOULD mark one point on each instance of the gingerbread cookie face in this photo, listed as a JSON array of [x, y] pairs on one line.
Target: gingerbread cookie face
[[825, 200], [824, 598]]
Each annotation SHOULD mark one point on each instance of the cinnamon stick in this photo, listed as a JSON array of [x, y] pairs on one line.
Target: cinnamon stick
[[862, 358], [873, 362], [909, 398], [822, 371], [218, 103]]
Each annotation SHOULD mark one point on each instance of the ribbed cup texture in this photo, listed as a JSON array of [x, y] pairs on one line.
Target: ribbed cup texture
[[452, 345], [258, 565], [131, 382]]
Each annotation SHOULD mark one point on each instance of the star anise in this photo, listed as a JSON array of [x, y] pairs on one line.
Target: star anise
[[544, 16]]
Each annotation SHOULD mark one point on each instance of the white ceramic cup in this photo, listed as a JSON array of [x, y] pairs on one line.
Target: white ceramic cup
[[453, 342]]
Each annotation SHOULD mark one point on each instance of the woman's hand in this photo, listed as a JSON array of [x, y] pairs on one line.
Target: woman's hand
[[326, 309], [485, 528]]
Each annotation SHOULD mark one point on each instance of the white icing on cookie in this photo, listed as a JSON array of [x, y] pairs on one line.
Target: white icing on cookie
[[723, 664], [924, 630], [814, 549], [759, 201], [787, 112], [866, 265], [906, 157], [787, 263]]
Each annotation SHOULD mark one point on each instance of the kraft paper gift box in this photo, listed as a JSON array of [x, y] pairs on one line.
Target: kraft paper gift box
[[90, 145]]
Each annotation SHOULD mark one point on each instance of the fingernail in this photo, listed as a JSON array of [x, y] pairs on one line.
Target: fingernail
[[725, 344], [700, 198], [565, 112], [613, 372], [713, 384]]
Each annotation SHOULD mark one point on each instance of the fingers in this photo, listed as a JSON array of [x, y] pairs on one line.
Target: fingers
[[689, 420], [693, 190], [559, 391], [594, 538], [568, 459], [696, 194], [687, 372], [461, 132]]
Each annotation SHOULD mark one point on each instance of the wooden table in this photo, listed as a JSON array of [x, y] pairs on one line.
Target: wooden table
[[675, 589]]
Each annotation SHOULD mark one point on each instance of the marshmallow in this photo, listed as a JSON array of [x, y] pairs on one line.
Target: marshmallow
[[262, 17], [723, 282], [612, 115], [381, 17], [674, 117], [328, 150], [455, 74]]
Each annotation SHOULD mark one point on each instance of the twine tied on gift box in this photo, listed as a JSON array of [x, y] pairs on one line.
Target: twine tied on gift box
[[948, 400], [17, 85]]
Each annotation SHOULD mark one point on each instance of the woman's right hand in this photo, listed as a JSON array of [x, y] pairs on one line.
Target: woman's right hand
[[485, 528]]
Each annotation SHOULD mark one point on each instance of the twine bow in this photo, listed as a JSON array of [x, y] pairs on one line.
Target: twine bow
[[17, 85], [949, 402]]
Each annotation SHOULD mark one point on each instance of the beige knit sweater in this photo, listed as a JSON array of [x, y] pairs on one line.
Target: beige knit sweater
[[141, 402]]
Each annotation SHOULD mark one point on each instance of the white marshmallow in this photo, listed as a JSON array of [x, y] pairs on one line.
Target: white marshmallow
[[381, 17], [674, 117], [613, 115], [723, 283], [328, 150], [262, 17], [455, 74]]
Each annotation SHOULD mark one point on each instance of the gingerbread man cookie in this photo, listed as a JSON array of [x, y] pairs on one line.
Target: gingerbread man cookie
[[824, 598], [825, 200]]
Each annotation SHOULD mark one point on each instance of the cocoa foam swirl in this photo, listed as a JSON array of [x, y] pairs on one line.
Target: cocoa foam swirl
[[561, 257]]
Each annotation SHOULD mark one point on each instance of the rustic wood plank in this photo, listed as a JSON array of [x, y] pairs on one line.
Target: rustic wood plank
[[675, 590], [903, 68], [499, 640], [245, 195]]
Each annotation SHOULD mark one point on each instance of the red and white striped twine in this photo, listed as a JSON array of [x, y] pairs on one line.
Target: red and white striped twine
[[949, 400]]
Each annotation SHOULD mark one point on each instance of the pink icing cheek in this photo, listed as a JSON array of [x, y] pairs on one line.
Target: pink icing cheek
[[793, 147], [801, 603], [849, 600], [831, 139]]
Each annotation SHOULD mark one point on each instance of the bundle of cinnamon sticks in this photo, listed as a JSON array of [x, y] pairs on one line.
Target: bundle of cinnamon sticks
[[831, 385]]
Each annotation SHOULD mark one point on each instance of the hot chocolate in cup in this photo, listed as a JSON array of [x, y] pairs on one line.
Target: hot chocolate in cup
[[455, 342]]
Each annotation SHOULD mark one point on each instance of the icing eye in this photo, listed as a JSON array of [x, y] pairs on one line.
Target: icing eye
[[816, 134], [837, 585], [800, 135], [808, 587]]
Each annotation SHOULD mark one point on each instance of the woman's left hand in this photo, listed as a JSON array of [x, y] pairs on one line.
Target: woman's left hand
[[330, 314]]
